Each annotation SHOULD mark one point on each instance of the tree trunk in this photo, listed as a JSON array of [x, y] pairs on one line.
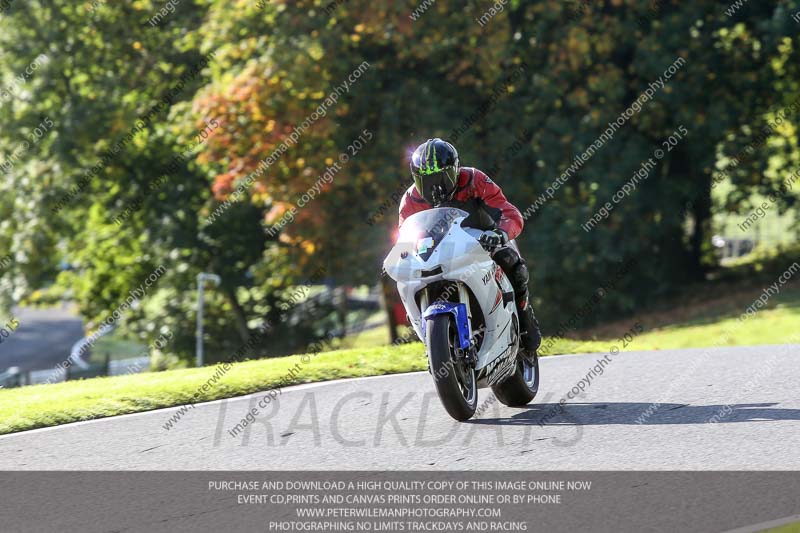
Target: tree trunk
[[239, 316], [701, 211], [682, 169]]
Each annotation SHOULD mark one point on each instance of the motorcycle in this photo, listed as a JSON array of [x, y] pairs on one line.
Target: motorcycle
[[461, 304]]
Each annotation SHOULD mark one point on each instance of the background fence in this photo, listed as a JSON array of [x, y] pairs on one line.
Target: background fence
[[14, 378]]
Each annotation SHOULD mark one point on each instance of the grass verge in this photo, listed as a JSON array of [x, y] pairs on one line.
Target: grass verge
[[48, 405], [72, 401], [701, 323]]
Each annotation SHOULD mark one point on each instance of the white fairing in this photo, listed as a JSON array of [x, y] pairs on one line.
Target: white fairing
[[462, 259]]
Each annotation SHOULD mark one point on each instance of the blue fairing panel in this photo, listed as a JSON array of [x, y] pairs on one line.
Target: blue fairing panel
[[459, 312]]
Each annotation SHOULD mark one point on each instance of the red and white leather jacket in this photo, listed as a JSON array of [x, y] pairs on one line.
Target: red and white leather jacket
[[472, 183]]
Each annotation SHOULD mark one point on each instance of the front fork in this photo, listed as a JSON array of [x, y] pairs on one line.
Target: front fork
[[463, 297], [470, 354]]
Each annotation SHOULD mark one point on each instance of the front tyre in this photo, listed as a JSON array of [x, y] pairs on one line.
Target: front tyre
[[521, 387], [454, 378]]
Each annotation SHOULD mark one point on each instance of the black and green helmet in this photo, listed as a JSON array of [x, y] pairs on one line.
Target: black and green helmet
[[434, 167]]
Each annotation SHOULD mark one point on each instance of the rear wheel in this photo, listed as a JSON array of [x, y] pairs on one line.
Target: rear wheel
[[522, 386], [454, 377]]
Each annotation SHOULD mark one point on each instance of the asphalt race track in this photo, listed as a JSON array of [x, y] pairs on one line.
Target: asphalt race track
[[720, 409], [43, 339]]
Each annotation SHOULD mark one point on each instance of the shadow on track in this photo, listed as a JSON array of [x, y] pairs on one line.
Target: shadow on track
[[609, 413]]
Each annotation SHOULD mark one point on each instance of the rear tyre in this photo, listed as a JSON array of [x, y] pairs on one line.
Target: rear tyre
[[454, 378], [522, 386]]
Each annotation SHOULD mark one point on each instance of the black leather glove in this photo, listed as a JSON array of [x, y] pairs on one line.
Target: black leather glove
[[493, 239]]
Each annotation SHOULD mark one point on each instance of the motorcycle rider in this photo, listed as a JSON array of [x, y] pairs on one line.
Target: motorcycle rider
[[439, 181]]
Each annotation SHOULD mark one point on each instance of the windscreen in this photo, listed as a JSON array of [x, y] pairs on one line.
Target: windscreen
[[426, 229]]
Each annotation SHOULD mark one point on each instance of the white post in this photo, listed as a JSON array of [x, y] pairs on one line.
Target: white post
[[201, 278], [199, 332]]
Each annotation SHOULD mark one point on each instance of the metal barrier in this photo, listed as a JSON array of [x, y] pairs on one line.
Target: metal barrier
[[129, 366], [51, 375], [14, 378]]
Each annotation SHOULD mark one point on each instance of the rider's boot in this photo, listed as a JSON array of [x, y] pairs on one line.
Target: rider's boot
[[517, 271], [530, 334]]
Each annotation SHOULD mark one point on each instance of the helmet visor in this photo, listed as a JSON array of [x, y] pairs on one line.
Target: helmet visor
[[436, 187]]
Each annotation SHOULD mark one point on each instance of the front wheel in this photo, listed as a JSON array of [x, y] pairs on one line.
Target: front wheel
[[521, 387], [454, 377]]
